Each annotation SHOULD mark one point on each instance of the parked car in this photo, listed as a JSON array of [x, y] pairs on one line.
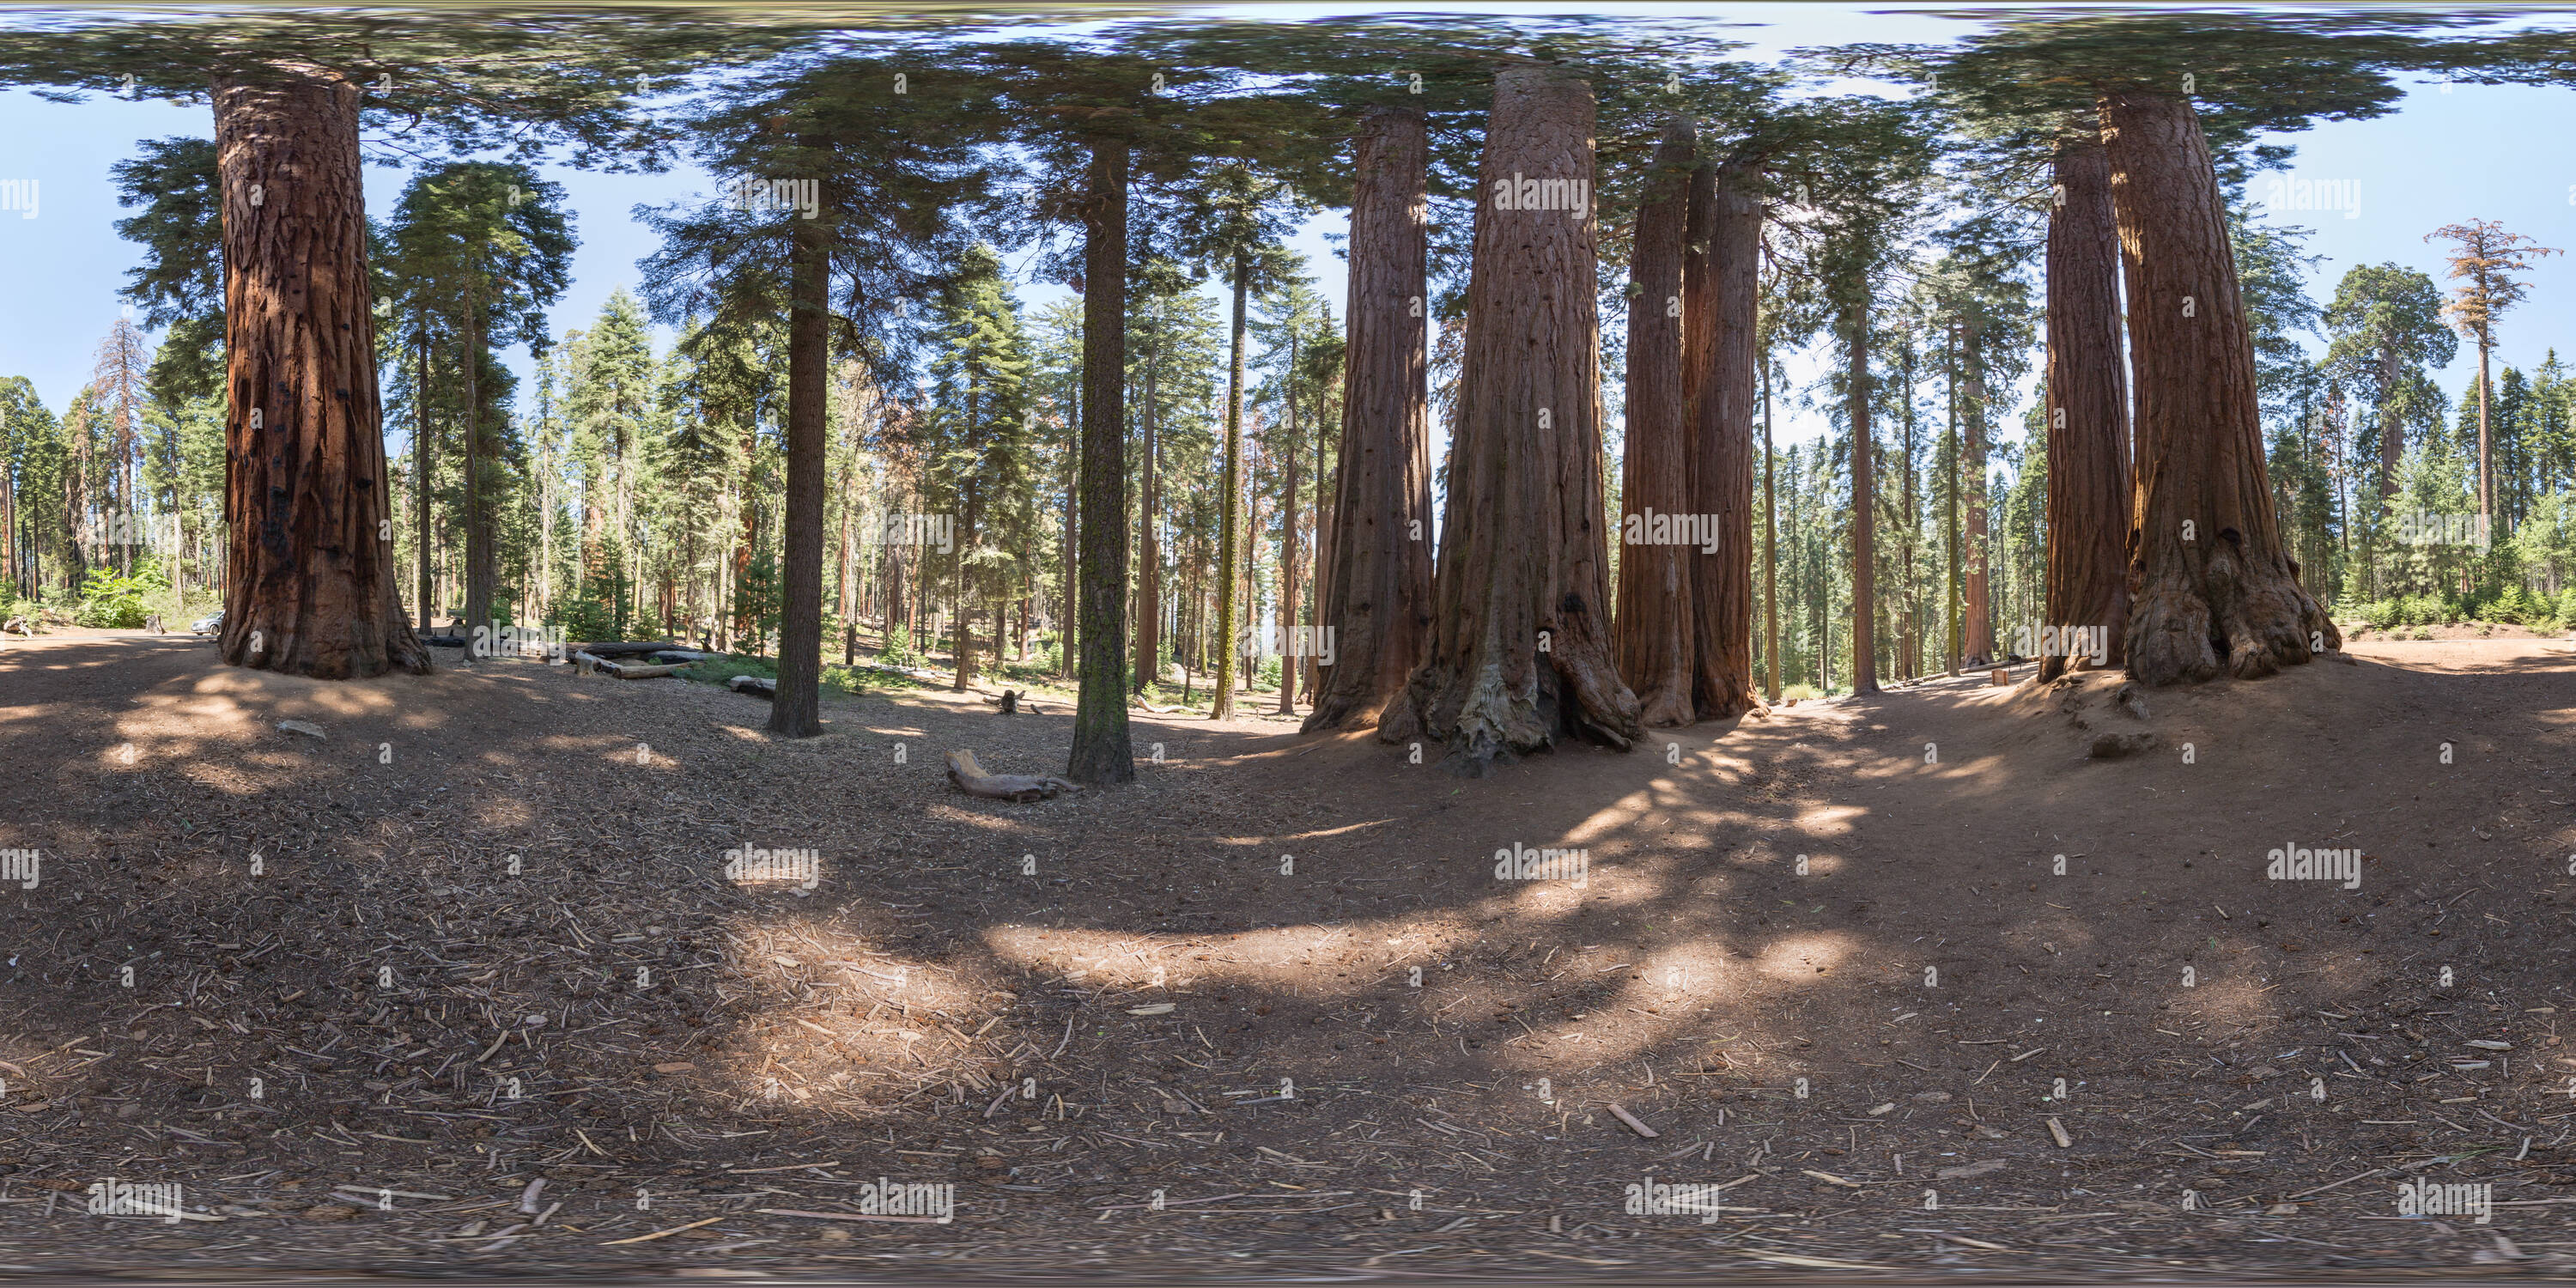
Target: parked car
[[207, 625]]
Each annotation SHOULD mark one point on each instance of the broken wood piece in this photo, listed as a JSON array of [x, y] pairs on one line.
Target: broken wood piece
[[970, 778], [628, 648], [2058, 1130], [1633, 1125], [845, 1216]]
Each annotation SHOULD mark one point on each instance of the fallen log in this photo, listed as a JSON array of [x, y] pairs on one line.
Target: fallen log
[[589, 661], [970, 778], [683, 656], [443, 641], [754, 685], [629, 648]]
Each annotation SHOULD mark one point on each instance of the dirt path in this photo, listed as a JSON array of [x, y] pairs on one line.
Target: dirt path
[[1278, 987]]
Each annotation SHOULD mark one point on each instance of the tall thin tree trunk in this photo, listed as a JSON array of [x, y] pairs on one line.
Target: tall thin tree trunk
[[311, 588], [1068, 608], [1102, 752], [1950, 524], [2207, 572], [2486, 447], [1979, 621], [1864, 573], [2088, 408], [1291, 659], [479, 551], [1653, 636], [1519, 653], [1770, 544], [421, 461], [1149, 563], [1376, 579], [1721, 469], [796, 710], [1229, 528]]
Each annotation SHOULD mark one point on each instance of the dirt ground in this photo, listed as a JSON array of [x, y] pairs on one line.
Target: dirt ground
[[1271, 1011]]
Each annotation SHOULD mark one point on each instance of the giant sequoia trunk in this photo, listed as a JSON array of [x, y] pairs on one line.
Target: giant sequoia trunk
[[1101, 750], [1376, 582], [1721, 468], [310, 577], [2207, 572], [1519, 654], [796, 712], [2088, 408], [1654, 634]]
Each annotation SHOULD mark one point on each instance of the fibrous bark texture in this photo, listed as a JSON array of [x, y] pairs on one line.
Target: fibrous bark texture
[[2208, 576], [1722, 449], [1519, 653], [2087, 582], [1377, 577], [311, 589], [1653, 636]]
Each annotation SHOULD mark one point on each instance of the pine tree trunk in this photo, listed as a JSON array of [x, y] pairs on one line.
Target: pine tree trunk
[[1770, 543], [1519, 654], [1979, 620], [2207, 571], [1229, 528], [310, 575], [1375, 586], [796, 709], [2088, 408], [1101, 751], [421, 454], [479, 552], [1864, 565], [1068, 596], [1721, 468], [1149, 563], [1291, 659], [2486, 449], [1654, 634]]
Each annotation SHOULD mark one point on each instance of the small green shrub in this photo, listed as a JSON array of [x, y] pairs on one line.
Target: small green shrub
[[111, 602]]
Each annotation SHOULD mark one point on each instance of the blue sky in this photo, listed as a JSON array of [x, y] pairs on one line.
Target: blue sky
[[2484, 152]]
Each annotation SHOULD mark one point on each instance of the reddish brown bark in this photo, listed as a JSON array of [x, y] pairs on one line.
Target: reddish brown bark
[[1519, 654], [2086, 583], [1977, 618], [2207, 571], [310, 585], [1654, 635], [1722, 451], [796, 709], [1376, 582], [1864, 546]]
